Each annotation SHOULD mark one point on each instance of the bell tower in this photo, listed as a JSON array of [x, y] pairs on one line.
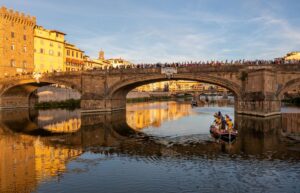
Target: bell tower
[[101, 55]]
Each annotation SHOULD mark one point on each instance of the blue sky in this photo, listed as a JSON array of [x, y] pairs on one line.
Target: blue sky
[[172, 30]]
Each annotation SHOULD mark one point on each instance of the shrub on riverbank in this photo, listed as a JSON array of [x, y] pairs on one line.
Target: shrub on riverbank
[[295, 101], [68, 104]]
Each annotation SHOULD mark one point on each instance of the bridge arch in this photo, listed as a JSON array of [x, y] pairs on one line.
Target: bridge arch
[[17, 93], [120, 89], [290, 85]]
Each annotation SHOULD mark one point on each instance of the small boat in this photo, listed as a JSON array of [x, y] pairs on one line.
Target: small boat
[[223, 135], [194, 104]]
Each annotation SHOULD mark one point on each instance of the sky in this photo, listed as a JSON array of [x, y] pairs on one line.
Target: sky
[[172, 30]]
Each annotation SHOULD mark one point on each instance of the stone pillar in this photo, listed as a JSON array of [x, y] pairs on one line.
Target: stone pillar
[[102, 105], [259, 96]]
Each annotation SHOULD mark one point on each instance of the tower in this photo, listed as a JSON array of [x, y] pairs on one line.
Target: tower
[[16, 42], [101, 55]]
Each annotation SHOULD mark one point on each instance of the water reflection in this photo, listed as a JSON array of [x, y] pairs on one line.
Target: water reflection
[[173, 119], [141, 115], [36, 146]]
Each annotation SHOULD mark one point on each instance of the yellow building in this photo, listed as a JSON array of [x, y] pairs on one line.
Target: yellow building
[[181, 85], [48, 50], [292, 56], [73, 58], [100, 62], [16, 42]]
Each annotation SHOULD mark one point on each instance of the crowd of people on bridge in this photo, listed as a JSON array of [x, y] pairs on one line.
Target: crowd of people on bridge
[[195, 64], [206, 63]]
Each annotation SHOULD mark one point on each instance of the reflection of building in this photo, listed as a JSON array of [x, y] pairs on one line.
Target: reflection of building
[[26, 160], [49, 161], [16, 42], [17, 164], [48, 50], [74, 58], [69, 126], [139, 117]]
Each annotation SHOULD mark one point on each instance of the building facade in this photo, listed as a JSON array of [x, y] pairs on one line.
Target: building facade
[[292, 56], [90, 64], [48, 50], [16, 42], [117, 62], [73, 58]]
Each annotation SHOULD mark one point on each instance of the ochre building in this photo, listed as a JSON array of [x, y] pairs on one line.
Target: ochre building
[[90, 64], [73, 58], [16, 42], [48, 50]]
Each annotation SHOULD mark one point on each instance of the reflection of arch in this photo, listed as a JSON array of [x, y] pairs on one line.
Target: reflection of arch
[[121, 88], [288, 86]]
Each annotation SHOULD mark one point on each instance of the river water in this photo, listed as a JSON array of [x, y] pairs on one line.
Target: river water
[[152, 147]]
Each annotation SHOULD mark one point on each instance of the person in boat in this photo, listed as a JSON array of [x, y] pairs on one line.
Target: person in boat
[[222, 122], [217, 121], [229, 123]]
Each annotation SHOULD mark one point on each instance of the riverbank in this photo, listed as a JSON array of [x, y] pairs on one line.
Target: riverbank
[[293, 101], [67, 104], [152, 96]]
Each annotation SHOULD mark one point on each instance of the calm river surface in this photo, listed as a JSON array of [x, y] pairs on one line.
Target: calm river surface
[[152, 147]]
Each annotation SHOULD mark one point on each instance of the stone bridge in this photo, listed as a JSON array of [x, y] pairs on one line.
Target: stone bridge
[[258, 89]]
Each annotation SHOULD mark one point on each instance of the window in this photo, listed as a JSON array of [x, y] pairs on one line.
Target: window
[[73, 53], [12, 34], [12, 47], [24, 37], [24, 27], [24, 64], [42, 42], [51, 44], [76, 54], [41, 50], [57, 35], [50, 52], [12, 63], [59, 46], [58, 54], [68, 52], [24, 49]]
